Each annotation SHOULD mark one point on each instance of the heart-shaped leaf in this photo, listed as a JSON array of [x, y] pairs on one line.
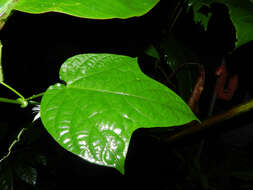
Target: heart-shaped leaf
[[105, 99], [95, 9]]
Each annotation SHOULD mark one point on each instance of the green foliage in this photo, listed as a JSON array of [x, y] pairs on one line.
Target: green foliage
[[177, 55], [5, 9], [26, 173], [151, 51], [6, 178], [20, 168], [22, 159], [105, 99], [241, 13], [102, 9]]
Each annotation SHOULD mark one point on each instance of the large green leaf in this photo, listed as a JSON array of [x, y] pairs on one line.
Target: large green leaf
[[241, 13], [95, 9], [105, 99]]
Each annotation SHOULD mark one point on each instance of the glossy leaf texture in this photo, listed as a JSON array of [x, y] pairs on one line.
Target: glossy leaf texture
[[241, 13], [105, 99], [102, 9]]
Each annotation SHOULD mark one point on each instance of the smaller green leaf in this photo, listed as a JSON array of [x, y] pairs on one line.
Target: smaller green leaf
[[241, 14], [6, 177], [26, 173], [199, 17], [151, 51]]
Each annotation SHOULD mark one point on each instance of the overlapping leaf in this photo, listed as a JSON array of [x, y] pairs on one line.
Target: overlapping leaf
[[105, 99], [95, 9]]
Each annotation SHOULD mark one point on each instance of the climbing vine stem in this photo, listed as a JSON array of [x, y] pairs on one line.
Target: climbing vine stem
[[22, 101], [10, 101], [212, 121], [35, 96], [13, 90], [13, 144]]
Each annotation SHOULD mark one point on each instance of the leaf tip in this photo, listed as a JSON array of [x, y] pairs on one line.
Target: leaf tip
[[121, 170]]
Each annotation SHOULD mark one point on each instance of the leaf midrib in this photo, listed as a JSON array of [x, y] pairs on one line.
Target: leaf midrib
[[118, 93]]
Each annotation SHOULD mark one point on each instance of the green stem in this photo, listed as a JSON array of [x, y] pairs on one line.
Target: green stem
[[10, 101], [13, 144], [13, 90], [33, 103], [35, 96], [177, 12], [21, 100]]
